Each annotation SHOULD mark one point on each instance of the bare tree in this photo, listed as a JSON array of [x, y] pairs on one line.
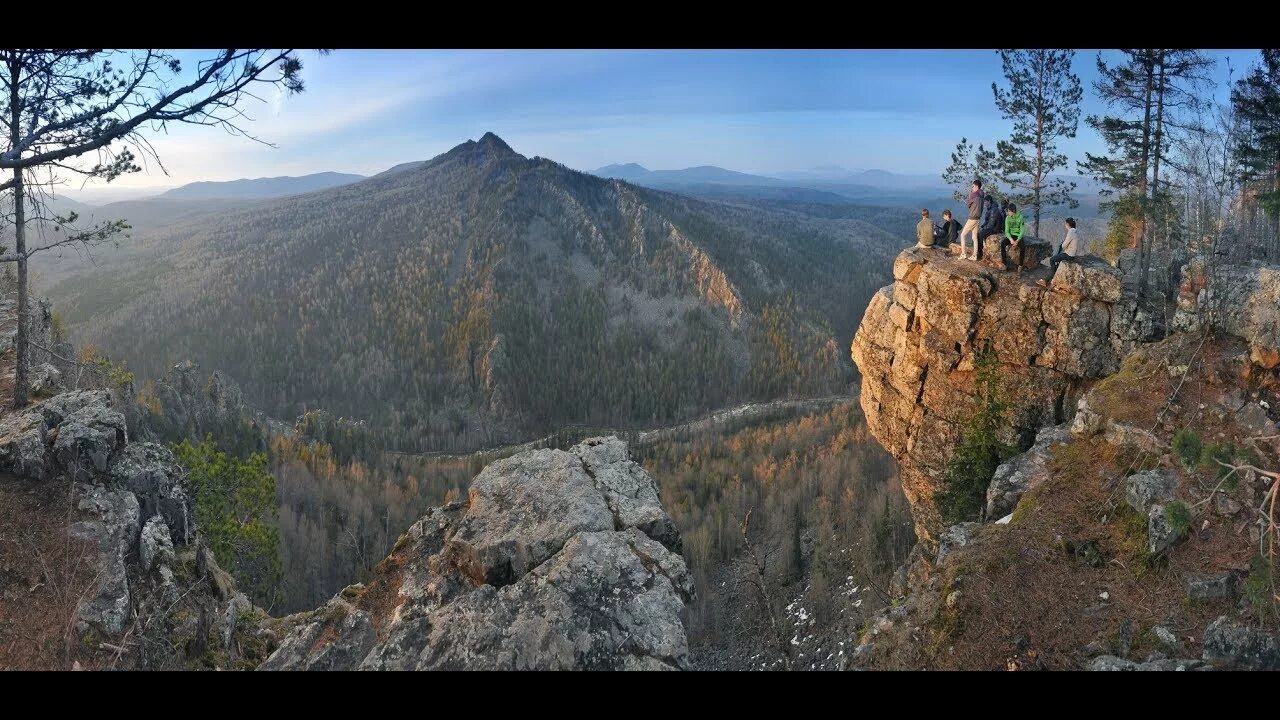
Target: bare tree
[[753, 566], [87, 112]]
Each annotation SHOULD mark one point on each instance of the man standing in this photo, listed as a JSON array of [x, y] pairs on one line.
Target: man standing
[[1069, 250], [971, 225], [1014, 226], [924, 229]]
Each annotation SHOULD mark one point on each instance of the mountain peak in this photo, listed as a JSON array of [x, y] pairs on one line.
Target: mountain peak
[[491, 140]]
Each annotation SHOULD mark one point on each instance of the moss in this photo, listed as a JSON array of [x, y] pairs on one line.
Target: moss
[[1261, 581], [352, 593], [1134, 548], [1023, 509]]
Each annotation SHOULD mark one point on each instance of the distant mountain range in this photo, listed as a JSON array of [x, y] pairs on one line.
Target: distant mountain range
[[260, 188]]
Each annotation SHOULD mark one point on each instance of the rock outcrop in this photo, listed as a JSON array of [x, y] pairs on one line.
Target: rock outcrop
[[916, 348], [556, 560], [1243, 300]]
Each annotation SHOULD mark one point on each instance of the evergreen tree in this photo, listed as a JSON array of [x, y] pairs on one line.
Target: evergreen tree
[[981, 451], [969, 163], [1043, 102], [1256, 150]]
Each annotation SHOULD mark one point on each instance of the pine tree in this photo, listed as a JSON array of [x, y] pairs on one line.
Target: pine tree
[[969, 163], [1150, 91], [1256, 151], [1043, 102]]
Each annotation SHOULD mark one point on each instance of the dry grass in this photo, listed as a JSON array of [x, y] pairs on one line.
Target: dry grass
[[44, 573]]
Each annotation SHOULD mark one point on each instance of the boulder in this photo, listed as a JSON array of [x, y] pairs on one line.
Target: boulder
[[1144, 489], [956, 536], [1222, 586], [1089, 276], [114, 528], [155, 545], [151, 472], [557, 560], [1016, 476], [44, 378], [1035, 252], [88, 438], [1161, 535], [1237, 644]]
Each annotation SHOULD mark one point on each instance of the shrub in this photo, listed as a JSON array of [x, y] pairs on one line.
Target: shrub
[[970, 468], [1187, 445]]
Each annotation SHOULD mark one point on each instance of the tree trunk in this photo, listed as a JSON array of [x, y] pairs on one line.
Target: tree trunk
[[1143, 248], [20, 244], [1155, 163], [1040, 103]]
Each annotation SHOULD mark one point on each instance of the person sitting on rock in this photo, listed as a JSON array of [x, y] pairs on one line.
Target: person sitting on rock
[[1069, 250], [949, 233], [1014, 226], [924, 229]]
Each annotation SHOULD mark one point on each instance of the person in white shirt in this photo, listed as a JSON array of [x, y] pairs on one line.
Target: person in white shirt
[[1069, 250]]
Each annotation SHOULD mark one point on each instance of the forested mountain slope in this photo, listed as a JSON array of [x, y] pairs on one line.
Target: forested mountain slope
[[483, 295]]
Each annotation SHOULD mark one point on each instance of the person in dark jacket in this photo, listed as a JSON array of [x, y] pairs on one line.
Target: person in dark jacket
[[974, 204], [924, 230], [950, 230]]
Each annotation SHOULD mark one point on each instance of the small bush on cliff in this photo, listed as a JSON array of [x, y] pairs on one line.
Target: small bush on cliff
[[236, 512], [970, 468], [1188, 446]]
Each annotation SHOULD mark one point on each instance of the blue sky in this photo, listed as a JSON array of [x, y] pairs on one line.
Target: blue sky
[[754, 111]]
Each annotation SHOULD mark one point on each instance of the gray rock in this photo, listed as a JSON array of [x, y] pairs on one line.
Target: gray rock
[[548, 565], [231, 618], [1236, 644], [152, 473], [1111, 663], [115, 529], [155, 545], [522, 511], [1015, 477], [1222, 586], [44, 378], [1224, 504], [1086, 421], [1089, 276], [956, 536], [1144, 489], [1160, 534], [632, 495], [1165, 636], [88, 438]]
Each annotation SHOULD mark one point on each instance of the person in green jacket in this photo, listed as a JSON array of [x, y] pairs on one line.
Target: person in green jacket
[[1014, 227]]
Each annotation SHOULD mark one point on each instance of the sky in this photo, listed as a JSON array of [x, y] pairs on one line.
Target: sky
[[752, 111]]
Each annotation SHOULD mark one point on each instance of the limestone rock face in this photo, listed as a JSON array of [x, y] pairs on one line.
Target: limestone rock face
[[916, 344], [75, 432], [557, 560]]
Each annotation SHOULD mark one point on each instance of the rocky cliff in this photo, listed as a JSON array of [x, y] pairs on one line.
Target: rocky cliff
[[916, 345], [1135, 532]]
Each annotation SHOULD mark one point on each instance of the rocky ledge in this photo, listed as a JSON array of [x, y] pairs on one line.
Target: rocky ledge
[[917, 342], [556, 560]]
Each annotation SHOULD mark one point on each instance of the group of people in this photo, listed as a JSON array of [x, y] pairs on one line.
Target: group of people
[[929, 234]]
